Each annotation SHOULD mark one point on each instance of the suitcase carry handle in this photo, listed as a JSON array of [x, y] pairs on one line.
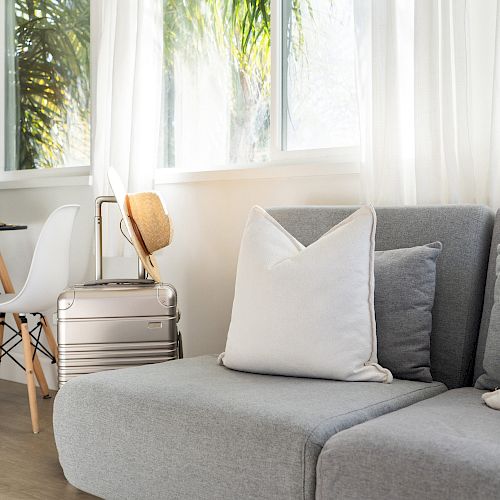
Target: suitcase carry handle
[[120, 281], [99, 201]]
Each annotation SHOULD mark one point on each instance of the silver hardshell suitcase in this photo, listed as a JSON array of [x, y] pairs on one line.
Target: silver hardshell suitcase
[[109, 324]]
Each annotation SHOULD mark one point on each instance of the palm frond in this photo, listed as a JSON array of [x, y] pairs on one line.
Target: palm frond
[[52, 63]]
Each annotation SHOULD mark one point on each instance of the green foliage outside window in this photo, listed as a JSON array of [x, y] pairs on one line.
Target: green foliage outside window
[[241, 29], [48, 82]]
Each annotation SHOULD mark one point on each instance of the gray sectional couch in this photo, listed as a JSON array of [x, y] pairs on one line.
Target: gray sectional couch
[[190, 429]]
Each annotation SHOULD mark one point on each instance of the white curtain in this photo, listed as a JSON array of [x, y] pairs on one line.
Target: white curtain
[[128, 96], [429, 95]]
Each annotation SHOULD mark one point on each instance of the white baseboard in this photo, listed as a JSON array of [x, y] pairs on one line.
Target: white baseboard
[[10, 371]]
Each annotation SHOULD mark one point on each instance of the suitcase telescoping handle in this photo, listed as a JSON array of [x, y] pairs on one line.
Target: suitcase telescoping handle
[[98, 239]]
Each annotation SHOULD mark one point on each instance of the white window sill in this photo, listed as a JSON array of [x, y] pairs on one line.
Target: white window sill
[[270, 170], [289, 168], [25, 179]]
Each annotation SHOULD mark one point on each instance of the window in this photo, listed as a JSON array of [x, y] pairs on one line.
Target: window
[[217, 82], [319, 89], [225, 91], [47, 84], [245, 82]]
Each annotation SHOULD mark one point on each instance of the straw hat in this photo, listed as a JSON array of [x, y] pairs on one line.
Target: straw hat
[[147, 222]]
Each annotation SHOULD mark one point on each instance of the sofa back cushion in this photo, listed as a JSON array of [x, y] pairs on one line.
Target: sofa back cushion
[[488, 298], [490, 379], [465, 232]]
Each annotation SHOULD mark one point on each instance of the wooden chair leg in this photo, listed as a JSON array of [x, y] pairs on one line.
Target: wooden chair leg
[[30, 378], [40, 376], [9, 288], [42, 382], [50, 338]]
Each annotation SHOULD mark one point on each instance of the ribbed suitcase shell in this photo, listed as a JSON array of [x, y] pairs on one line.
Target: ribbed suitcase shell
[[109, 326]]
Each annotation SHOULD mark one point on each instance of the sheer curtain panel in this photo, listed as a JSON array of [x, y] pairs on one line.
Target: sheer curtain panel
[[128, 94], [428, 93]]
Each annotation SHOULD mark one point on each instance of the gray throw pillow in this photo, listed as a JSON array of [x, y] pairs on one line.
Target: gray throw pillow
[[405, 282], [490, 379]]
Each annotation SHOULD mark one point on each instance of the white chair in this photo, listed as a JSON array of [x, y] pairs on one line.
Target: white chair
[[47, 277]]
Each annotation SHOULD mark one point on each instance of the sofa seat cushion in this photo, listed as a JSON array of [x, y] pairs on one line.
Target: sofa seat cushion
[[190, 429], [447, 447]]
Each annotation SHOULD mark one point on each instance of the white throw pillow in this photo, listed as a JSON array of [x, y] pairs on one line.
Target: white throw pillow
[[306, 311]]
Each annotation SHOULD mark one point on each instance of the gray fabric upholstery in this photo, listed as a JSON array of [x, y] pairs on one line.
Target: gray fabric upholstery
[[444, 448], [190, 429], [405, 282], [490, 379], [465, 232], [488, 298]]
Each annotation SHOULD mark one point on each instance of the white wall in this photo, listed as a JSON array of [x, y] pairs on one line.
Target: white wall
[[208, 221]]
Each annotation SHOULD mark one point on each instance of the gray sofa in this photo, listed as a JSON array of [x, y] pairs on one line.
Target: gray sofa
[[190, 429]]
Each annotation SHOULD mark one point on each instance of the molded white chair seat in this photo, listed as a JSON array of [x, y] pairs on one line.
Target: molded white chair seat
[[47, 277]]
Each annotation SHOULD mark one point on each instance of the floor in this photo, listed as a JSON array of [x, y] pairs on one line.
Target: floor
[[29, 468]]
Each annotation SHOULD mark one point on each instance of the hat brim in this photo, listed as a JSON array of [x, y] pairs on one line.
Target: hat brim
[[148, 261]]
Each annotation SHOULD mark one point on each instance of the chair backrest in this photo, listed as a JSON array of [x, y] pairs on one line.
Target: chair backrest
[[49, 271], [465, 232]]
